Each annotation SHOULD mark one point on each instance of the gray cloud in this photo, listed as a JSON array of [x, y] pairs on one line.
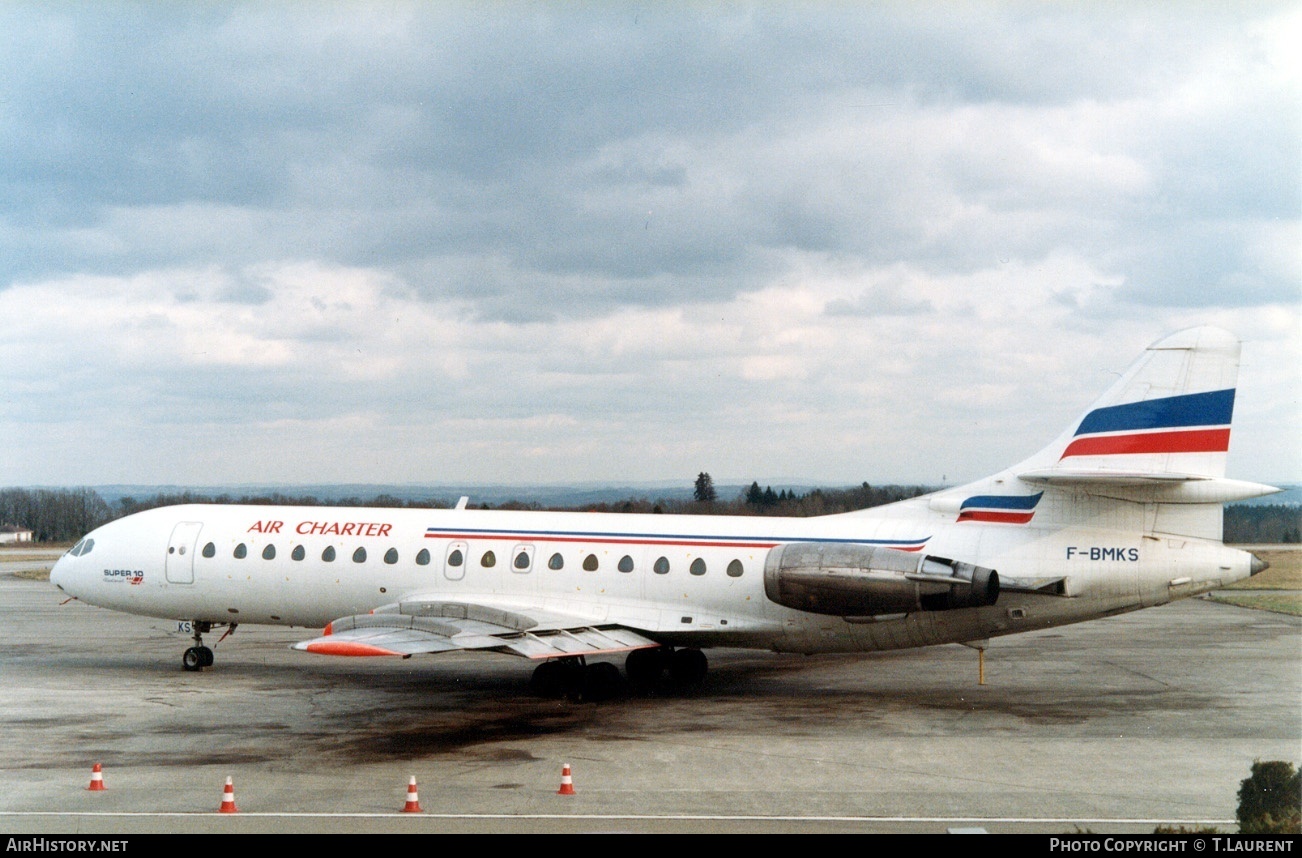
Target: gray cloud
[[383, 217]]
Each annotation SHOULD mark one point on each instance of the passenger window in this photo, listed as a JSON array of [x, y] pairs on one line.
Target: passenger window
[[422, 557], [241, 551], [590, 563], [626, 564], [661, 566], [522, 560], [697, 567], [391, 556], [298, 553], [209, 550], [489, 560], [359, 556], [454, 563], [556, 561], [329, 554], [735, 569], [269, 553]]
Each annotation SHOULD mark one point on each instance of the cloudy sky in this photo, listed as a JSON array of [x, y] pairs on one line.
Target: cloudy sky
[[458, 243]]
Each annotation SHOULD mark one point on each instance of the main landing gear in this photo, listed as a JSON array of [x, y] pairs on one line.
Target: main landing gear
[[574, 678], [199, 656]]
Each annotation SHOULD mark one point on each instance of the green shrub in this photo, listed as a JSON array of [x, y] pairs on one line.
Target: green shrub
[[1270, 800]]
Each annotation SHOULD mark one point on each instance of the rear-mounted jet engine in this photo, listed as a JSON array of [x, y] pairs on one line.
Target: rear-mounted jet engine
[[865, 580]]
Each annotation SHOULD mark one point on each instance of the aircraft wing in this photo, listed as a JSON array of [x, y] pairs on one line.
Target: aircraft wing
[[438, 626]]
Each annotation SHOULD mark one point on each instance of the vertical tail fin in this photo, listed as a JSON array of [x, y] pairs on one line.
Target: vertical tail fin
[[1167, 416], [1159, 436]]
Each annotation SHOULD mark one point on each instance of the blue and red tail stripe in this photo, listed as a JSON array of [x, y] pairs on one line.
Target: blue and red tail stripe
[[1003, 509], [676, 539], [1191, 423]]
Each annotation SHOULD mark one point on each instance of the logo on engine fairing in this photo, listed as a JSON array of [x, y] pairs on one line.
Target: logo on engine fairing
[[131, 576], [1004, 509]]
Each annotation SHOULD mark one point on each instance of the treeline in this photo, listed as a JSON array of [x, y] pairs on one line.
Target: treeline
[[127, 504], [757, 501], [1264, 523], [64, 515], [54, 515]]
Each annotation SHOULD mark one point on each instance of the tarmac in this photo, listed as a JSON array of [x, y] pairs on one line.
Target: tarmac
[[1110, 727]]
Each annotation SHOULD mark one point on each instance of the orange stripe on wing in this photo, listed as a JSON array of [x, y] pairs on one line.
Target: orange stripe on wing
[[351, 648]]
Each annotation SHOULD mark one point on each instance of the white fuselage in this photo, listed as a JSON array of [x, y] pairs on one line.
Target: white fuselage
[[682, 580]]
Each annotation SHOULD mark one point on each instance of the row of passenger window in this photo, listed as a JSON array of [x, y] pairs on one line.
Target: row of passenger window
[[456, 558]]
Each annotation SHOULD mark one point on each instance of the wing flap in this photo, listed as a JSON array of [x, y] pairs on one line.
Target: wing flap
[[586, 641], [468, 627]]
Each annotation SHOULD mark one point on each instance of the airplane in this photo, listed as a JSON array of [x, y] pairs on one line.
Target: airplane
[[1121, 512]]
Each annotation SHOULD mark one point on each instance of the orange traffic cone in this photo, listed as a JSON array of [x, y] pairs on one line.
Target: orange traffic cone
[[413, 800], [228, 798], [96, 779], [567, 783]]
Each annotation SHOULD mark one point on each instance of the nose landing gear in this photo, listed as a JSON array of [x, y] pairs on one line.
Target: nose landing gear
[[199, 656]]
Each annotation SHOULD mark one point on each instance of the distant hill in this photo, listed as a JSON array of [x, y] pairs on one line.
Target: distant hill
[[447, 495], [494, 494]]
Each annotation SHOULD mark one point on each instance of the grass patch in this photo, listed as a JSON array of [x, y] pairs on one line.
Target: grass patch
[[1276, 602], [1285, 572]]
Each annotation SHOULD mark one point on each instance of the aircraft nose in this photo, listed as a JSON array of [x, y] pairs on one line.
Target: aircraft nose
[[61, 572]]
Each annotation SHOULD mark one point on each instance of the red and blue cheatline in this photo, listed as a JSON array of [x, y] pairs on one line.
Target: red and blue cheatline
[[1193, 423], [670, 539], [1006, 509]]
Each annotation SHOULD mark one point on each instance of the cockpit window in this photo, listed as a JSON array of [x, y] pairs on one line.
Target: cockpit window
[[82, 547]]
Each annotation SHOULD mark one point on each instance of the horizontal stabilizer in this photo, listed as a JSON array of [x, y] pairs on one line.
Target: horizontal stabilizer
[[1150, 487]]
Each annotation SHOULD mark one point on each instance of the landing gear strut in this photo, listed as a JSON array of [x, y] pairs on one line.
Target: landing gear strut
[[199, 656]]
